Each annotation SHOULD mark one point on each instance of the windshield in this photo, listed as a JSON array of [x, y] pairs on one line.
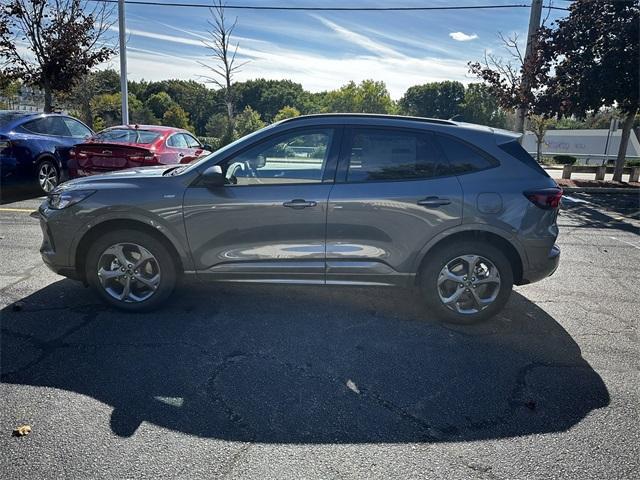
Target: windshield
[[127, 135], [220, 152]]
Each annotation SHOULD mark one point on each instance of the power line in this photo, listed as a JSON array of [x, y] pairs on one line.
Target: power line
[[328, 9]]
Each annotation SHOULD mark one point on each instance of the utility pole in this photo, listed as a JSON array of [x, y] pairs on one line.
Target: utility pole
[[534, 24], [124, 89]]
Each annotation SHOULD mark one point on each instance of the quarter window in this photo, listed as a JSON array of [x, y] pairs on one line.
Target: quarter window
[[384, 155], [291, 158], [463, 158]]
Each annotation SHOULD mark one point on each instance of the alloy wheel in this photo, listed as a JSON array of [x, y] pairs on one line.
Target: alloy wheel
[[128, 272], [468, 284], [47, 177]]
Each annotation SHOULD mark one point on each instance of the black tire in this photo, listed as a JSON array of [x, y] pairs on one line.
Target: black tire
[[47, 168], [442, 256], [167, 268]]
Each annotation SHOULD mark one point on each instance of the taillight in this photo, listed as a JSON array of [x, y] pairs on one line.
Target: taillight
[[545, 198]]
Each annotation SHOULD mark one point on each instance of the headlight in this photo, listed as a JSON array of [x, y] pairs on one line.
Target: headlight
[[65, 199]]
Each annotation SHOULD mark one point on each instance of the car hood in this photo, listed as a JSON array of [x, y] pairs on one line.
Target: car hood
[[116, 177]]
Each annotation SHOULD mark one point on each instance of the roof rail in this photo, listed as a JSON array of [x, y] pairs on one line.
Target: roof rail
[[372, 115]]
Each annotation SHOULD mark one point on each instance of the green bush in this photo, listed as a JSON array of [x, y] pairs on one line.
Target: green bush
[[565, 159], [633, 163]]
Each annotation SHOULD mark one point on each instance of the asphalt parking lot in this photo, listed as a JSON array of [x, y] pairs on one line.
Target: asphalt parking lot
[[283, 382]]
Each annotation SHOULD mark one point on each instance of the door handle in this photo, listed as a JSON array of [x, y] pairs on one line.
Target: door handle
[[434, 202], [181, 154], [299, 203]]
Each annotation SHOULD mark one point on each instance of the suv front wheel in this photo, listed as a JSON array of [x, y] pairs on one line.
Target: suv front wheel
[[131, 270], [466, 282]]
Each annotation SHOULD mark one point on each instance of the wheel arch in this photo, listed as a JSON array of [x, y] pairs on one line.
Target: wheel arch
[[514, 254], [84, 243]]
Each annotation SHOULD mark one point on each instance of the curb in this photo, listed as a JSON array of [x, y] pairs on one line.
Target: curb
[[599, 190]]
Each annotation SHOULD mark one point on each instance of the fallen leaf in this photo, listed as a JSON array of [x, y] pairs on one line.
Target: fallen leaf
[[22, 430]]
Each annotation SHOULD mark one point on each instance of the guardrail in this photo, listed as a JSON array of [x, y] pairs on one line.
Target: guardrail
[[600, 171]]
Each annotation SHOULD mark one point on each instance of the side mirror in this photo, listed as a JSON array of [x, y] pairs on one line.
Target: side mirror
[[213, 177], [208, 147]]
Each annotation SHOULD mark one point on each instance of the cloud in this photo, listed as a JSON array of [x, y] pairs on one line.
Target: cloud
[[462, 37], [360, 40]]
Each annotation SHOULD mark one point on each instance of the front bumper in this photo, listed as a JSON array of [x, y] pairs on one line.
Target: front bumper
[[543, 266], [56, 236]]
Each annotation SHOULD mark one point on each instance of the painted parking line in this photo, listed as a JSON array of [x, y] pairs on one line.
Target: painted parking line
[[624, 241], [23, 210]]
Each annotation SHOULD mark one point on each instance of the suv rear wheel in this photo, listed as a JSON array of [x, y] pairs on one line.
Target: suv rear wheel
[[131, 270], [467, 282]]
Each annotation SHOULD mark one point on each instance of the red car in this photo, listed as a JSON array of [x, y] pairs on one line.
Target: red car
[[129, 146]]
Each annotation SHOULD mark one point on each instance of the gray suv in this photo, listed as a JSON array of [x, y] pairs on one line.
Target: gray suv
[[459, 211]]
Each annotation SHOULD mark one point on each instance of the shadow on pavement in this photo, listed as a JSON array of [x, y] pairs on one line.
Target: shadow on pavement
[[304, 365], [17, 193], [584, 215]]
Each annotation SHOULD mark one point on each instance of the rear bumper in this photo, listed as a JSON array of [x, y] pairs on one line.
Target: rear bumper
[[543, 266]]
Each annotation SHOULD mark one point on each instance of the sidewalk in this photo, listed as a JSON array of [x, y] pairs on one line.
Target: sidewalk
[[556, 173]]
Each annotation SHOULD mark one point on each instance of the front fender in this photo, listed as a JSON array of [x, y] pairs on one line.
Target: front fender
[[170, 225]]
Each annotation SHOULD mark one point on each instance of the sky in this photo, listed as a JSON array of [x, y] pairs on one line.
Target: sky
[[324, 50]]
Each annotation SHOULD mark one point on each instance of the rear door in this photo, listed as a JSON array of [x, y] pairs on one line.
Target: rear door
[[268, 222], [395, 192]]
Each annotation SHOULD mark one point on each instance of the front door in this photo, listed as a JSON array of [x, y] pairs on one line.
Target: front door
[[268, 222], [395, 192]]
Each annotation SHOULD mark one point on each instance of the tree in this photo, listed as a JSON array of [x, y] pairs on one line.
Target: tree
[[514, 82], [539, 125], [247, 122], [89, 86], [175, 116], [106, 109], [286, 112], [591, 61], [436, 100], [224, 56], [159, 103], [367, 97], [269, 96], [63, 40], [480, 106]]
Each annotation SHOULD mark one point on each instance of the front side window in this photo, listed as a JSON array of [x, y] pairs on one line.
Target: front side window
[[463, 158], [385, 155], [76, 129], [191, 142], [296, 157]]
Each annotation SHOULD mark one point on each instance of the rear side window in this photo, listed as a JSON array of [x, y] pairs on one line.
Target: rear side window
[[385, 155], [462, 157], [515, 150], [47, 126], [177, 140]]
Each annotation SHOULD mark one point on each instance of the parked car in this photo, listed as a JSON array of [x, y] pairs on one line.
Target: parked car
[[130, 146], [460, 211], [34, 147]]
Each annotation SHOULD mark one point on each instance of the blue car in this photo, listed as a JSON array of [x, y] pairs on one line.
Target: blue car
[[34, 147]]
